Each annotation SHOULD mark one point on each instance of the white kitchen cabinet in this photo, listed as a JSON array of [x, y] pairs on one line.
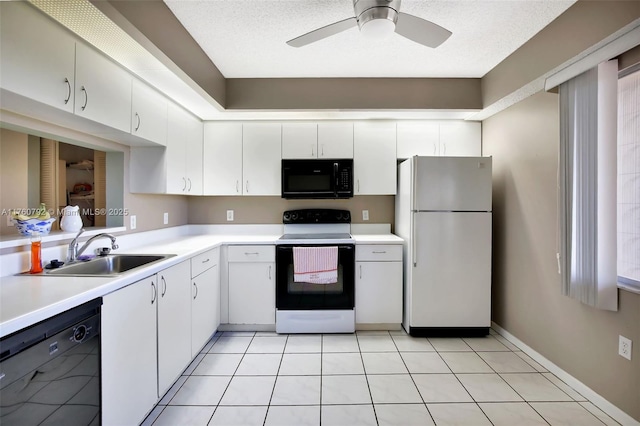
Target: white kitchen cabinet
[[174, 323], [454, 138], [129, 353], [460, 139], [261, 158], [374, 158], [176, 168], [148, 113], [205, 303], [38, 56], [102, 89], [324, 140], [222, 158], [378, 284], [335, 140], [299, 140], [418, 138], [252, 290]]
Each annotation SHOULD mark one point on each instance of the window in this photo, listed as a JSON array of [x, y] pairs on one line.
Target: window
[[628, 232]]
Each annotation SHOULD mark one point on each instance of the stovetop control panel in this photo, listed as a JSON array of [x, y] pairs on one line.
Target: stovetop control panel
[[304, 216]]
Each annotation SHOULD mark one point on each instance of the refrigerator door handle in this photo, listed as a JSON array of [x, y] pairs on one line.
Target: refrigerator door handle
[[414, 174], [414, 244]]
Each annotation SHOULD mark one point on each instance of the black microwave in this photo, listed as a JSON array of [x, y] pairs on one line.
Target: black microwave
[[317, 178]]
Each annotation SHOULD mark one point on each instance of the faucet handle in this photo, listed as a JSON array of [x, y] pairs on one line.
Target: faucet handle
[[114, 246]]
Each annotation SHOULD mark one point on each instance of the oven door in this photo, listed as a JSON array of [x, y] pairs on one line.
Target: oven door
[[291, 295]]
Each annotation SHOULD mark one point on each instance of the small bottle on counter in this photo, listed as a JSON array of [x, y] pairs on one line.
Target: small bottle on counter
[[36, 253]]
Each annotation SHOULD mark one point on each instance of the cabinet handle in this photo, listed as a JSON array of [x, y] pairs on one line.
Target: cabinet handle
[[247, 186], [312, 154], [322, 155], [138, 125], [86, 97], [358, 185], [164, 286], [185, 184], [205, 261], [237, 188], [255, 253], [434, 148], [360, 271], [379, 252], [189, 179], [269, 271], [66, 101], [196, 287], [445, 149], [155, 292]]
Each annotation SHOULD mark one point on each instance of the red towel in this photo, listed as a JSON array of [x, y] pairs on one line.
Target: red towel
[[316, 265]]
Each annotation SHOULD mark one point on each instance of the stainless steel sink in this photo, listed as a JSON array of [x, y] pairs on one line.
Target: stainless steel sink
[[106, 266]]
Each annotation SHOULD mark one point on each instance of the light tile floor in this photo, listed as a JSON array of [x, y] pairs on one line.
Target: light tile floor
[[368, 378]]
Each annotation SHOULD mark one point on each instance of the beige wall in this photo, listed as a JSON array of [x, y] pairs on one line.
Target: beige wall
[[581, 340], [268, 210], [14, 175]]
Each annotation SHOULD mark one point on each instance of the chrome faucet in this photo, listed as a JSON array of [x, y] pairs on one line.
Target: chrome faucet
[[73, 252]]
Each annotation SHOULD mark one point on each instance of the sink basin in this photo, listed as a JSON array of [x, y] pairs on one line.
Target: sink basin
[[106, 266]]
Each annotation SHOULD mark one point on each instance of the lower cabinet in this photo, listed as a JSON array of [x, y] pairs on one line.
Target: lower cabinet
[[205, 303], [252, 290], [129, 353], [378, 284], [174, 323]]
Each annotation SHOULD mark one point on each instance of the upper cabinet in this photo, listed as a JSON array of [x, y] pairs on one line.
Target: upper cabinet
[[38, 56], [261, 158], [327, 140], [439, 138], [102, 89], [374, 158], [222, 157], [148, 113]]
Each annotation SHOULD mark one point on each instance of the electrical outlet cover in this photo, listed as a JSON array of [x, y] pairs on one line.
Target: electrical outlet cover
[[625, 347], [166, 218], [230, 215], [132, 222], [365, 214]]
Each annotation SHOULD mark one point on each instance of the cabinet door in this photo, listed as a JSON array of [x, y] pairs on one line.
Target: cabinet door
[[129, 353], [299, 140], [102, 89], [148, 113], [194, 156], [252, 293], [335, 140], [176, 154], [38, 56], [379, 292], [205, 307], [222, 157], [460, 139], [174, 323], [261, 158], [418, 138], [374, 158]]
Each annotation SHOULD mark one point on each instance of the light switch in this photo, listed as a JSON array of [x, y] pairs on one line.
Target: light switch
[[230, 215], [166, 218], [132, 222]]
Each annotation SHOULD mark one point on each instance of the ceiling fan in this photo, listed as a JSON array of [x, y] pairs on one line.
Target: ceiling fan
[[376, 18]]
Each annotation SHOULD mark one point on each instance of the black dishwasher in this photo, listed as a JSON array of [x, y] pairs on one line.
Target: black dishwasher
[[50, 372]]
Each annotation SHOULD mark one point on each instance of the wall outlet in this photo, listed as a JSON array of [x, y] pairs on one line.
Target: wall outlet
[[165, 219], [9, 220], [624, 347], [365, 214], [132, 222], [230, 215]]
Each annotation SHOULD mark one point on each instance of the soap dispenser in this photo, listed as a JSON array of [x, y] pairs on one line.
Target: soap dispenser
[[36, 253]]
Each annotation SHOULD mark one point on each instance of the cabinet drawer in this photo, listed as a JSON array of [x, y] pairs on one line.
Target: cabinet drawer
[[204, 261], [379, 252], [252, 253]]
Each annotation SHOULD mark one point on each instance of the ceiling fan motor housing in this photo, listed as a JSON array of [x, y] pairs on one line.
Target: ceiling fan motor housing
[[368, 10]]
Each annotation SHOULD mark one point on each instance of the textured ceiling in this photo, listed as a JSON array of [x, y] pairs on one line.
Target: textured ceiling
[[246, 38]]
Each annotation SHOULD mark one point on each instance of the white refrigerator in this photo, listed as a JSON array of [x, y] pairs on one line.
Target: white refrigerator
[[443, 213]]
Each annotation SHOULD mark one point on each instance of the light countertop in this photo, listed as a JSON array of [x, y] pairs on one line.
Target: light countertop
[[28, 299]]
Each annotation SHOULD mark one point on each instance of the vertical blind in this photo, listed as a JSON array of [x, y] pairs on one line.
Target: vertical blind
[[587, 180], [629, 179]]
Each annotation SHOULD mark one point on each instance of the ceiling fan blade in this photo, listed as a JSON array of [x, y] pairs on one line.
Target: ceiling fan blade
[[421, 31], [324, 32]]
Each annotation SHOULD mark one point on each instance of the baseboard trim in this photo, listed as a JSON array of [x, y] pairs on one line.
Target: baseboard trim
[[597, 400]]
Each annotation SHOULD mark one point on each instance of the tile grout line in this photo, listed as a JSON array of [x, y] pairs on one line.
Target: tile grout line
[[276, 380]]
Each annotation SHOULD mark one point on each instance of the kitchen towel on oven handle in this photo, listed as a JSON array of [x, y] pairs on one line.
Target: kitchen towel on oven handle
[[316, 265]]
